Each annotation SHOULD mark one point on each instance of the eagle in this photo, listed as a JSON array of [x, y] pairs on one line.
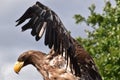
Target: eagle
[[67, 59]]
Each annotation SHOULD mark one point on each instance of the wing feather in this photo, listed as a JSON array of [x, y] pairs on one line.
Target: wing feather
[[42, 29], [29, 24], [34, 26], [25, 16], [48, 32], [50, 35]]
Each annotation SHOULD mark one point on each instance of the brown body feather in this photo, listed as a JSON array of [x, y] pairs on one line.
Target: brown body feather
[[44, 20], [51, 67]]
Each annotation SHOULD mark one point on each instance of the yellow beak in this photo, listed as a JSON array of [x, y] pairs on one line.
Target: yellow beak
[[17, 67]]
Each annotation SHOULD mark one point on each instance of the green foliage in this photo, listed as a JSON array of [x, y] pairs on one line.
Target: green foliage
[[79, 18], [103, 43]]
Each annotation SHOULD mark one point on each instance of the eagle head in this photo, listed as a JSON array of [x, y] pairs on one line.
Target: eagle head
[[28, 57]]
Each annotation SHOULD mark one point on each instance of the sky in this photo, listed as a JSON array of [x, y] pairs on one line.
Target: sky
[[13, 42]]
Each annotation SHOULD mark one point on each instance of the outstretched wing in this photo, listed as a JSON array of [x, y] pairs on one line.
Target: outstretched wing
[[44, 20]]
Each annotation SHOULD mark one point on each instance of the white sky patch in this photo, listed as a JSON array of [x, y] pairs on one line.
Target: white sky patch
[[7, 5], [28, 72]]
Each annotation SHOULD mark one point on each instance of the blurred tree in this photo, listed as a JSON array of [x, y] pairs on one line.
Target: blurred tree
[[103, 43]]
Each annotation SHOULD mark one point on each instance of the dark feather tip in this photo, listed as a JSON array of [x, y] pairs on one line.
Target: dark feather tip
[[22, 30], [17, 20], [16, 25], [40, 4], [37, 38]]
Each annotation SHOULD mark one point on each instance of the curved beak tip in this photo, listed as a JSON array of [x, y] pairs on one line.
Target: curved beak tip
[[17, 67]]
